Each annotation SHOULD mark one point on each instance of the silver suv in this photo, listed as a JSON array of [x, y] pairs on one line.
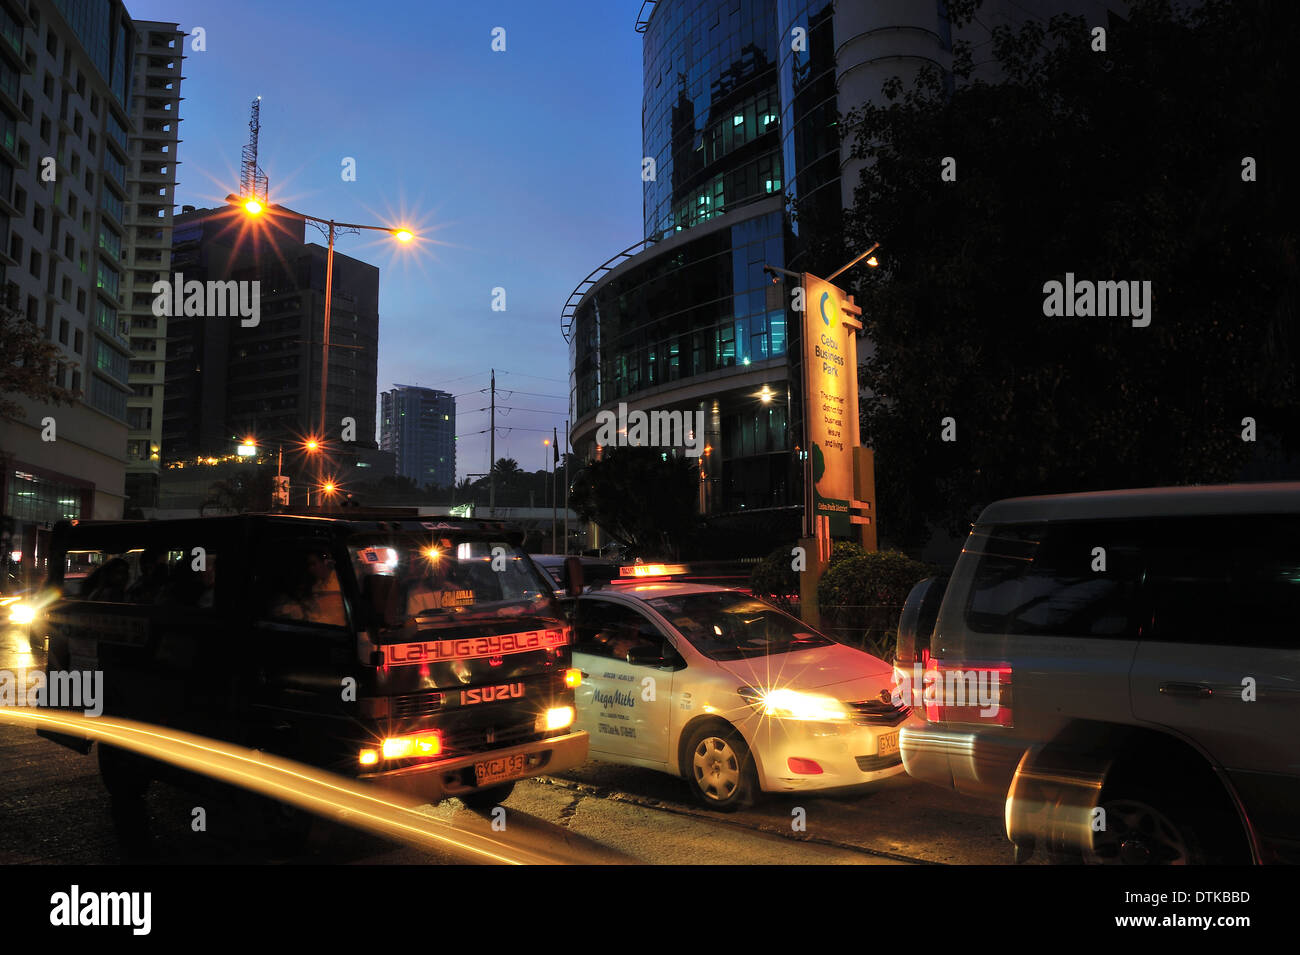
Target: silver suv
[[1123, 669]]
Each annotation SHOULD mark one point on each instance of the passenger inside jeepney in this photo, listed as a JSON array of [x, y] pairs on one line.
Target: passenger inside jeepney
[[313, 594], [431, 582]]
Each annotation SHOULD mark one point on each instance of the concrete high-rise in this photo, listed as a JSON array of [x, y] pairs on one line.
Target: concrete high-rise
[[226, 381], [418, 425], [66, 168], [151, 180]]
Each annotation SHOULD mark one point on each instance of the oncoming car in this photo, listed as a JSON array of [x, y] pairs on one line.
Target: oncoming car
[[729, 693]]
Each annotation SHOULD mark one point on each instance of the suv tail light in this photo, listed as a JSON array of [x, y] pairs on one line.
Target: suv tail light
[[969, 693]]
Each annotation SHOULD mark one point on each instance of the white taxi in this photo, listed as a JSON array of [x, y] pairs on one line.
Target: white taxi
[[730, 693]]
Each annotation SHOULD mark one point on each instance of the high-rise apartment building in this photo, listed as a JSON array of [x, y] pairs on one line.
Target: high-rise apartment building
[[151, 181], [418, 425], [65, 171]]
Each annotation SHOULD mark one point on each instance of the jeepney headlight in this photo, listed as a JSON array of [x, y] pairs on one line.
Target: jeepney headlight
[[412, 745], [795, 705], [556, 718], [368, 757], [21, 613]]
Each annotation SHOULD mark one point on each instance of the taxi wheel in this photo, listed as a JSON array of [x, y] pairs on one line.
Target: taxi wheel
[[483, 800], [720, 769]]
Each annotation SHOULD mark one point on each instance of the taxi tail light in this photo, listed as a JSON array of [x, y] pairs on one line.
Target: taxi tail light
[[969, 693]]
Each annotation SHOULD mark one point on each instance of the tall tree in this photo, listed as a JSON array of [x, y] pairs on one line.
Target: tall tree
[[648, 502], [1166, 158], [250, 490]]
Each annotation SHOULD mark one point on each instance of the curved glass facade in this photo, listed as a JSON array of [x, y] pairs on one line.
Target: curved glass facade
[[810, 140], [735, 118], [710, 114], [697, 309]]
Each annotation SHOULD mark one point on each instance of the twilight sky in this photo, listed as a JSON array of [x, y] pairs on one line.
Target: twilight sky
[[519, 169]]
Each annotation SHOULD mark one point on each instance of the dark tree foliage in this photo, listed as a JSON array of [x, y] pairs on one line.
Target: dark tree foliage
[[649, 503], [27, 366], [1118, 165]]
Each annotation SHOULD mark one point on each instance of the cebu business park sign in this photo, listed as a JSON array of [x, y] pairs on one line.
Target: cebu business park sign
[[836, 472]]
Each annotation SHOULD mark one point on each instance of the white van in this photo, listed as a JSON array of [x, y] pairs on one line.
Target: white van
[[1123, 669]]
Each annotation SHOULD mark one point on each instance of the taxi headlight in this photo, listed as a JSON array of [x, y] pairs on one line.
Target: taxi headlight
[[796, 705]]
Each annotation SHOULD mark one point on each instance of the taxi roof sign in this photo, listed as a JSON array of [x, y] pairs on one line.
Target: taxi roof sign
[[651, 570]]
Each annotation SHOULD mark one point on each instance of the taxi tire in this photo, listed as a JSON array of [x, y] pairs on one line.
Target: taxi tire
[[485, 800], [746, 788]]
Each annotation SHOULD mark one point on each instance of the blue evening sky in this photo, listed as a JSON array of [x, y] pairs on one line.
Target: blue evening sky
[[519, 169]]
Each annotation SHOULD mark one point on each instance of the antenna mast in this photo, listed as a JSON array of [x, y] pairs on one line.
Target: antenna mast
[[252, 181]]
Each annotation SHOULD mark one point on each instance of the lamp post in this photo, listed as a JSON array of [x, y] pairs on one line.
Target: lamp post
[[329, 228], [550, 463]]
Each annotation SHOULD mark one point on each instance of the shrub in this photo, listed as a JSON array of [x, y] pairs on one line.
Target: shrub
[[862, 596], [773, 579]]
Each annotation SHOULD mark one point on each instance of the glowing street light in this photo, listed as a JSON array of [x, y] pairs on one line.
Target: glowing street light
[[255, 207]]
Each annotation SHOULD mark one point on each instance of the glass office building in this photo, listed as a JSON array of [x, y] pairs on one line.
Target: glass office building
[[741, 109], [689, 320]]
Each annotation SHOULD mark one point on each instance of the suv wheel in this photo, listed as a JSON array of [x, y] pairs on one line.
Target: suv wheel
[[1146, 827]]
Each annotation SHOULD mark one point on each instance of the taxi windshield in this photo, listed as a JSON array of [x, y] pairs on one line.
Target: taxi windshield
[[442, 575], [726, 625]]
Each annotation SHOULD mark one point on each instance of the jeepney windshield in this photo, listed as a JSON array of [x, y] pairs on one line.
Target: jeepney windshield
[[441, 575]]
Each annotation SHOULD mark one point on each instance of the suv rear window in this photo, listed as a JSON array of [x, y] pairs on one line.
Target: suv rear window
[[1208, 580], [1039, 579]]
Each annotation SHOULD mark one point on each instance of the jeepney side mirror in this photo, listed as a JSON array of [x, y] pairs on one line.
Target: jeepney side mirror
[[571, 581]]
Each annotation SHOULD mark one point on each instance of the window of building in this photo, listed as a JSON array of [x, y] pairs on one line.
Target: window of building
[[38, 218], [34, 264], [45, 128], [79, 341], [63, 331]]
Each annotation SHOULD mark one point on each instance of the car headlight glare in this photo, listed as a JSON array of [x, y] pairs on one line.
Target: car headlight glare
[[785, 704]]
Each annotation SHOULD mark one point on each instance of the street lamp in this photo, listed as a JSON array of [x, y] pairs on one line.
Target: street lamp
[[329, 227]]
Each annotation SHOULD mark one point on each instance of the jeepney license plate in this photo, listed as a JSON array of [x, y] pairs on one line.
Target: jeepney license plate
[[888, 744], [503, 767]]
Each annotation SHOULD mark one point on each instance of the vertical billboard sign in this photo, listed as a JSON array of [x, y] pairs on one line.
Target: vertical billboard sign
[[830, 362]]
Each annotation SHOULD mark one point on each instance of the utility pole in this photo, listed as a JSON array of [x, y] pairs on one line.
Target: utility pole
[[492, 452], [566, 488], [555, 454]]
